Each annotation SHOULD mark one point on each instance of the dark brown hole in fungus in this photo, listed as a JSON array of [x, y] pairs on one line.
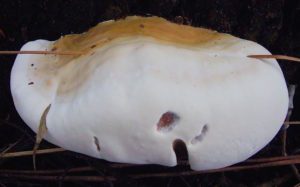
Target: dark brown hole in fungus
[[167, 121], [31, 83], [180, 150], [93, 46], [142, 25], [96, 141]]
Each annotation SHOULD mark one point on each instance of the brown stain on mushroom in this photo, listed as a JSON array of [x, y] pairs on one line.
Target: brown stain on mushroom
[[154, 27], [74, 70]]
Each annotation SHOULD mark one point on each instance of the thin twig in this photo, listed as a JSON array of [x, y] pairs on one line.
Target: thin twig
[[58, 178], [42, 52], [30, 153], [292, 90], [9, 147], [233, 168], [48, 172], [120, 166], [292, 122], [279, 57], [273, 159], [148, 175]]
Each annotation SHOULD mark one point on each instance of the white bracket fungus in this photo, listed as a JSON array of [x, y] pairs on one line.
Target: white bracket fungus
[[140, 84]]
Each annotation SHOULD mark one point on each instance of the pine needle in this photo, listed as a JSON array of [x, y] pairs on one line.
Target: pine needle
[[42, 52], [30, 153], [278, 57]]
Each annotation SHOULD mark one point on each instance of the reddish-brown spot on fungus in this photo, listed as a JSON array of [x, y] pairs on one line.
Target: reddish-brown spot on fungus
[[167, 121]]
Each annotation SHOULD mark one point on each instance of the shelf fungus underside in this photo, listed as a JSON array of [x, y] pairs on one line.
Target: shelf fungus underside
[[143, 84]]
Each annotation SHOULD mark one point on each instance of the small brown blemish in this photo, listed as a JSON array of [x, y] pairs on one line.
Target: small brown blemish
[[96, 141], [93, 46], [31, 83], [142, 26], [54, 49], [167, 121], [200, 137]]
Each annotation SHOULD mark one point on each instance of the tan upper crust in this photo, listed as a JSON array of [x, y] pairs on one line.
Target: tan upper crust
[[155, 27], [115, 32]]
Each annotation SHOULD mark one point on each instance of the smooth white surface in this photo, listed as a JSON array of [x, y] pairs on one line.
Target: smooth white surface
[[126, 86]]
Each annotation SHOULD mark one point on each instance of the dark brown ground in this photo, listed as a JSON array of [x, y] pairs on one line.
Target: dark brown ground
[[272, 23]]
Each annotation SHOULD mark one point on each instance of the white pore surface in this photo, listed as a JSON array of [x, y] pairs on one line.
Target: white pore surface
[[240, 102]]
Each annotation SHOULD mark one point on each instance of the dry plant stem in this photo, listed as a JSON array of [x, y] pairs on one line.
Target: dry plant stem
[[292, 90], [292, 122], [283, 139], [9, 147], [72, 53], [286, 126], [57, 150], [30, 153], [120, 166], [40, 134], [296, 171], [49, 172], [278, 57], [148, 175], [233, 168], [273, 159]]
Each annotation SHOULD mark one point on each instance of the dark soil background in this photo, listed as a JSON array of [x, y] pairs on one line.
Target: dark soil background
[[272, 23]]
